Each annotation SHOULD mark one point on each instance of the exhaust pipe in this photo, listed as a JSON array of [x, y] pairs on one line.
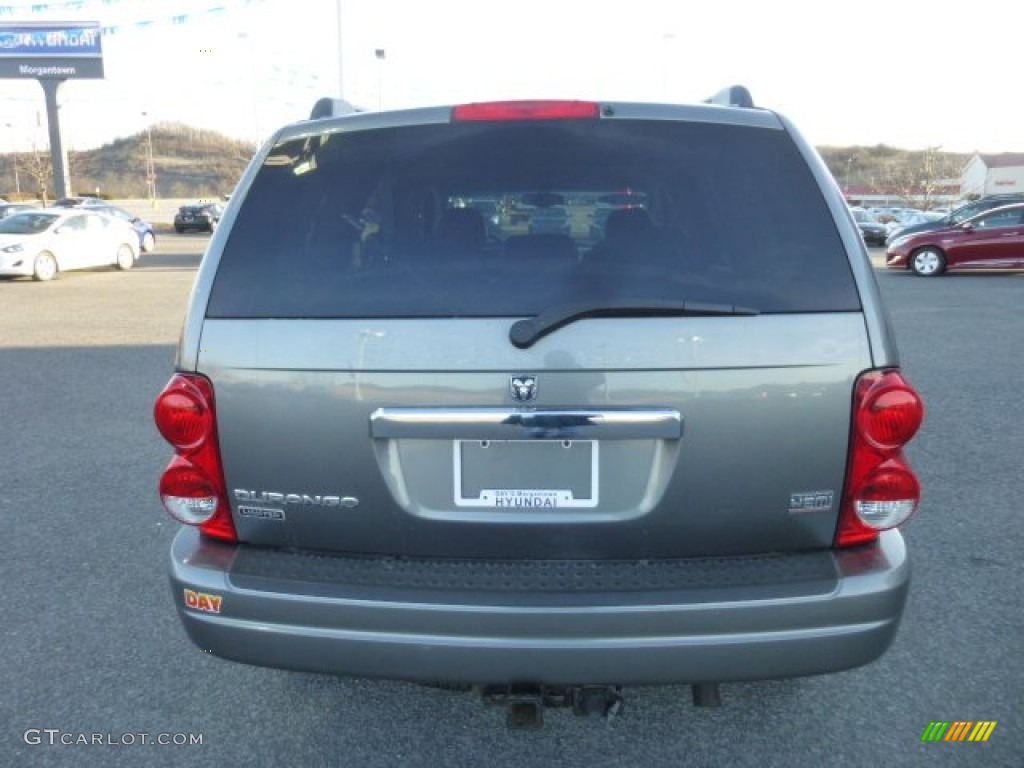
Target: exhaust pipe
[[706, 695]]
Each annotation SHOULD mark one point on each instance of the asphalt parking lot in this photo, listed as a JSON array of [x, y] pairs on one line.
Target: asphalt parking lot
[[91, 645]]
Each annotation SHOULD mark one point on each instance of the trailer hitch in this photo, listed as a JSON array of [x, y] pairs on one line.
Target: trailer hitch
[[525, 704]]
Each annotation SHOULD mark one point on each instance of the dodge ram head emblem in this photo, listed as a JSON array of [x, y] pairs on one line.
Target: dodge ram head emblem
[[523, 388]]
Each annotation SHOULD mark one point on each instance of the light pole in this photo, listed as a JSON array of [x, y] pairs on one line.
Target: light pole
[[846, 185], [14, 157], [150, 170]]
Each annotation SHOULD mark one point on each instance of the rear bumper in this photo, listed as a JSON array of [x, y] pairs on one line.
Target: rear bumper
[[290, 610]]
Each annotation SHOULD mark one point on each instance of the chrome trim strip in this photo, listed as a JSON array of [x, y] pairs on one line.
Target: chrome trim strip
[[526, 424]]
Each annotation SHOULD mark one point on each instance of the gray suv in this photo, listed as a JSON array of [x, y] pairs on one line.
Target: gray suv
[[415, 440]]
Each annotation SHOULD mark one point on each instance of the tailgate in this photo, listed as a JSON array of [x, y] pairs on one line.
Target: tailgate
[[610, 438]]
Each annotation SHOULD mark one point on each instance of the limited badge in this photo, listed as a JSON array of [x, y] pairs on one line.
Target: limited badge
[[261, 513]]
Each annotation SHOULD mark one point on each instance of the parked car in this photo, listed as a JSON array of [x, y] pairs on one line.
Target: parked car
[[80, 201], [143, 229], [203, 217], [9, 209], [44, 242], [990, 240], [871, 229], [891, 214], [957, 215], [907, 219], [674, 458]]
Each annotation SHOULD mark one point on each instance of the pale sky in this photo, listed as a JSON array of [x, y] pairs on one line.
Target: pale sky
[[908, 73]]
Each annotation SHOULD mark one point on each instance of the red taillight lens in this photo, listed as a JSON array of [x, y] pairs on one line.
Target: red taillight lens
[[182, 412], [891, 413], [881, 489], [192, 487], [526, 110]]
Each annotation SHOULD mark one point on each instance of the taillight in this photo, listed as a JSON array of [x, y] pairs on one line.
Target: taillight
[[882, 490], [182, 413], [192, 487], [890, 414], [526, 110]]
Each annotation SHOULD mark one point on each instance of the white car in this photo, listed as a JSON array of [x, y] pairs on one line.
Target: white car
[[43, 242]]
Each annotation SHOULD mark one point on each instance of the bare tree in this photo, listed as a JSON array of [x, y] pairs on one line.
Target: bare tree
[[37, 166], [923, 177]]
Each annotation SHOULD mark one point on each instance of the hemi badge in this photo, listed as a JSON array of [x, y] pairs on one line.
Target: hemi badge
[[810, 501]]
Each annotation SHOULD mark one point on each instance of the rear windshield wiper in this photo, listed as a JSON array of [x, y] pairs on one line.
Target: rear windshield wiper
[[525, 333]]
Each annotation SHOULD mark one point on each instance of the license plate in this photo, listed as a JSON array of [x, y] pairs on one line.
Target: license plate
[[526, 474]]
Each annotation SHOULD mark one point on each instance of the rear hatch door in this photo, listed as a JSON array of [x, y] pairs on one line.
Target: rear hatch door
[[401, 367]]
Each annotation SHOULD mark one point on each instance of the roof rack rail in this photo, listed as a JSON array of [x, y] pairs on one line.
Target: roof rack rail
[[733, 96], [328, 107]]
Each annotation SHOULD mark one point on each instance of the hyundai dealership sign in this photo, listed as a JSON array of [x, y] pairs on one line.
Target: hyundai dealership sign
[[57, 50]]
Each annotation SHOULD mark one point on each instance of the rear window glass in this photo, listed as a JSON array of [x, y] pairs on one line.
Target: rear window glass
[[510, 219]]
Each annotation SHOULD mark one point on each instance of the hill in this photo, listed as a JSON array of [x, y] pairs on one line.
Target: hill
[[191, 162], [188, 162], [882, 167]]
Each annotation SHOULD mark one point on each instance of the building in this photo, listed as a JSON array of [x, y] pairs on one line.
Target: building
[[993, 175]]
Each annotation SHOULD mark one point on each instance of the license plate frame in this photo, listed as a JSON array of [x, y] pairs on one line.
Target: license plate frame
[[476, 474]]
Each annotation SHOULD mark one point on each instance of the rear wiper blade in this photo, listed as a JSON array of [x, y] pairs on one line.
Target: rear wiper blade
[[525, 333]]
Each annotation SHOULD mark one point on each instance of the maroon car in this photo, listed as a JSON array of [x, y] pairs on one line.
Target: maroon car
[[991, 240]]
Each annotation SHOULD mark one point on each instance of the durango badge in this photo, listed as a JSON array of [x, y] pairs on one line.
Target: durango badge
[[523, 388]]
